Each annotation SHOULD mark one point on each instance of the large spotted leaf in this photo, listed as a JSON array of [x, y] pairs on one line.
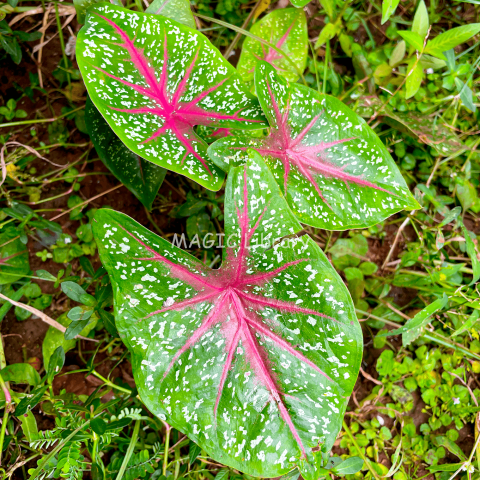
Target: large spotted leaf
[[153, 80], [286, 28], [254, 361], [332, 168]]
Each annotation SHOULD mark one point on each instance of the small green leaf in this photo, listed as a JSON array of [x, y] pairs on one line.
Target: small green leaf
[[472, 253], [415, 326], [327, 33], [420, 20], [222, 474], [349, 466], [31, 400], [75, 328], [388, 9], [56, 363], [20, 373], [73, 291], [80, 313], [193, 452], [414, 77], [99, 426], [451, 39], [412, 38], [29, 426], [397, 54], [471, 321]]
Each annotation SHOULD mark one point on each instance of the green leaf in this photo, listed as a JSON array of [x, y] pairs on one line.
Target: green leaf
[[451, 39], [109, 322], [316, 151], [416, 325], [329, 7], [412, 38], [414, 77], [193, 452], [207, 344], [471, 321], [349, 466], [388, 9], [99, 426], [178, 10], [222, 474], [14, 262], [451, 447], [30, 401], [73, 291], [75, 328], [20, 373], [141, 177], [153, 80], [287, 30], [397, 54], [29, 426], [420, 20], [55, 363], [472, 253], [80, 313], [466, 95], [327, 33], [55, 338]]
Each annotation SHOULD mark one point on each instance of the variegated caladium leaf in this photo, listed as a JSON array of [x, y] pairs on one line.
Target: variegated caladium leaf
[[254, 361], [153, 80], [333, 170], [286, 28]]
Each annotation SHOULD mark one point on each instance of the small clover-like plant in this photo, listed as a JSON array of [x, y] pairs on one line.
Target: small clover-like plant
[[254, 361], [154, 79], [333, 170]]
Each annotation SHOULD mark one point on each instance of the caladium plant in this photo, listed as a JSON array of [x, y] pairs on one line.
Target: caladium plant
[[254, 361], [332, 168], [286, 29], [154, 79]]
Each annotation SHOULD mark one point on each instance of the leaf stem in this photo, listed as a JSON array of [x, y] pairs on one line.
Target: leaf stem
[[167, 443], [130, 449], [111, 384], [41, 120]]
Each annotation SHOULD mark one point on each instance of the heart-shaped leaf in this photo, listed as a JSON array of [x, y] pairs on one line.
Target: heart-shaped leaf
[[254, 361], [141, 177], [13, 256], [332, 168], [287, 30], [153, 80]]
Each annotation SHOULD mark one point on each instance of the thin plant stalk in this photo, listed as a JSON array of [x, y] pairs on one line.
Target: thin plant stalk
[[131, 447]]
